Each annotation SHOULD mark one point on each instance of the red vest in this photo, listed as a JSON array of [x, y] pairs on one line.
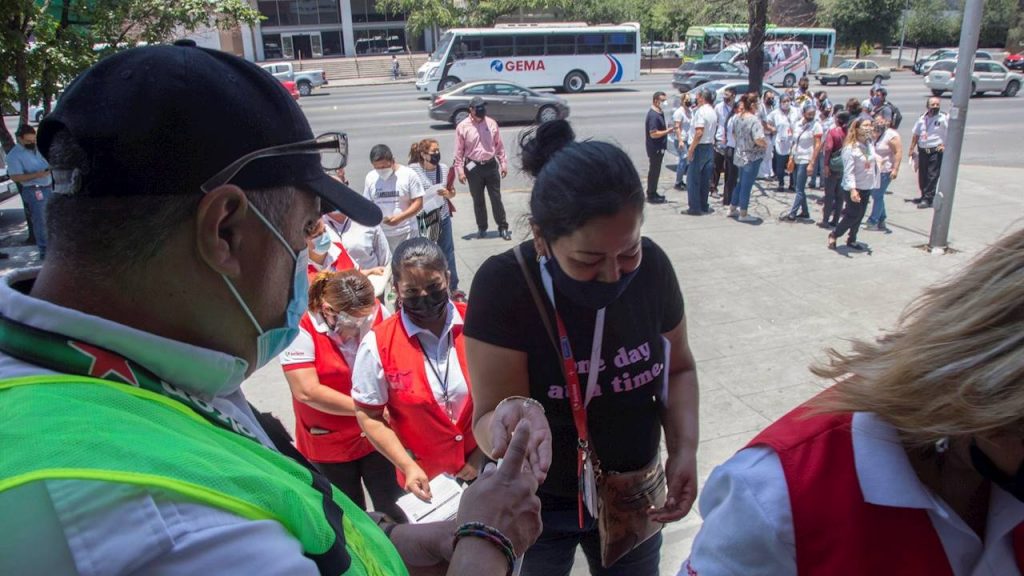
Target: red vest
[[837, 533], [437, 445], [340, 264], [346, 441]]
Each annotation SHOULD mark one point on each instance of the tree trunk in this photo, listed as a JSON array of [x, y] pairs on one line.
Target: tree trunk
[[917, 48], [6, 140], [757, 11], [21, 79], [859, 43]]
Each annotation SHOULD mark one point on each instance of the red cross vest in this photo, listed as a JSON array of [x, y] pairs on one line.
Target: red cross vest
[[837, 533], [341, 262], [344, 441], [438, 445]]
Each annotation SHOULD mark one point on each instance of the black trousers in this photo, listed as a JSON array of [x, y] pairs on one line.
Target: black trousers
[[655, 158], [853, 215], [779, 162], [928, 167], [732, 174], [486, 175], [833, 200], [720, 167], [377, 473]]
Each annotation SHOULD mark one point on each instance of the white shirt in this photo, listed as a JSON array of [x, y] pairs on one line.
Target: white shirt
[[861, 168], [370, 385], [684, 117], [804, 134], [885, 149], [722, 111], [366, 245], [783, 131], [931, 130], [394, 195], [432, 200], [100, 528], [748, 522], [706, 118], [303, 351]]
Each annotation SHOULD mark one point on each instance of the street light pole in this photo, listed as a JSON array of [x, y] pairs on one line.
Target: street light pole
[[970, 31], [903, 37]]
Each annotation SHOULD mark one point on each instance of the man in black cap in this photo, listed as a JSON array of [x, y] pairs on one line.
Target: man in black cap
[[480, 159], [176, 267]]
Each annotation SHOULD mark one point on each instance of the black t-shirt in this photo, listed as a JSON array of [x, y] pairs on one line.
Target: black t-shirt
[[624, 420], [655, 121]]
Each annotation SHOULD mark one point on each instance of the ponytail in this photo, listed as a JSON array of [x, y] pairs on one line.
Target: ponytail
[[317, 288]]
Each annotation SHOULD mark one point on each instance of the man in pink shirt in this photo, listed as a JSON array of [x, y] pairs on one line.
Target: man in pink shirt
[[480, 159]]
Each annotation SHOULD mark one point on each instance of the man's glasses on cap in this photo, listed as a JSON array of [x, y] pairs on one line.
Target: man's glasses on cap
[[332, 148]]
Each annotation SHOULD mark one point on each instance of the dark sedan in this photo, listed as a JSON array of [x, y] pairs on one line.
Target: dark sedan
[[506, 102], [1015, 62], [693, 74]]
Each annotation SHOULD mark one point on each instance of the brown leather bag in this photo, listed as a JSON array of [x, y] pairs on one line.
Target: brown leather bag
[[623, 497]]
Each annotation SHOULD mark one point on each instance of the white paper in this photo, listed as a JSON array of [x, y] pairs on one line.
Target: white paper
[[432, 199], [470, 165], [444, 504]]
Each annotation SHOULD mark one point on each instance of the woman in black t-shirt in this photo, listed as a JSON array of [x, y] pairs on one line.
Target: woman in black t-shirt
[[588, 257]]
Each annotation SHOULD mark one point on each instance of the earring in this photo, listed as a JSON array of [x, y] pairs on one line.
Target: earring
[[942, 445]]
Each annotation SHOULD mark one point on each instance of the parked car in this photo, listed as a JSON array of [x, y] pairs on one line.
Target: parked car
[[8, 188], [855, 71], [506, 102], [1014, 61], [979, 55], [651, 49], [693, 74], [941, 54], [305, 80], [671, 50], [987, 77], [292, 89]]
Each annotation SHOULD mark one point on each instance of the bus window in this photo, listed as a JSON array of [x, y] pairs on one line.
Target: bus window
[[561, 44], [590, 44], [807, 39], [621, 43], [498, 46], [820, 42], [530, 45], [713, 44], [466, 48]]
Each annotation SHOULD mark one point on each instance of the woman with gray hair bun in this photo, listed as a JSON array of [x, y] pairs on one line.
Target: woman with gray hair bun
[[806, 147], [912, 463]]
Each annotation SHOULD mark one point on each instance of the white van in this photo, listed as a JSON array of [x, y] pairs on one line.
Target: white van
[[784, 62]]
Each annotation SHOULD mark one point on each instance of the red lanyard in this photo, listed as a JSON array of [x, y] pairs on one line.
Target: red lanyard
[[572, 382]]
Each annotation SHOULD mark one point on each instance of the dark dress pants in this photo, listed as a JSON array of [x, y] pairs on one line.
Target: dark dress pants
[[377, 473], [833, 200], [853, 215], [655, 158], [486, 175], [929, 165]]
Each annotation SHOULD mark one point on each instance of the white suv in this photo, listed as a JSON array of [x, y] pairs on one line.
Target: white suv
[[988, 76]]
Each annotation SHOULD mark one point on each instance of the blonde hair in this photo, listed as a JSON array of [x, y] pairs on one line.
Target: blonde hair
[[851, 132], [954, 366], [344, 291]]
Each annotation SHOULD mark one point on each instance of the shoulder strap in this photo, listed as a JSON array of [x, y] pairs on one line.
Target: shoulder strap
[[537, 300]]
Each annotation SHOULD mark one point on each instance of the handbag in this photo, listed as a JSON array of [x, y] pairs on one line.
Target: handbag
[[623, 498]]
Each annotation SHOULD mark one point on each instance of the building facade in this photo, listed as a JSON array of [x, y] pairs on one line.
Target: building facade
[[311, 29]]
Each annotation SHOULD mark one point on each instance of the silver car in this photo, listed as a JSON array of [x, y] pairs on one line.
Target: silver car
[[988, 76], [506, 102]]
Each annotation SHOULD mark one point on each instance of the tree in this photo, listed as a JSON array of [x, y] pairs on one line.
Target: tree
[[930, 24], [860, 21], [758, 10]]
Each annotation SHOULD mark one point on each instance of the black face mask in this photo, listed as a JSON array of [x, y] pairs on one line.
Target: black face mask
[[593, 294], [426, 309], [30, 147], [480, 111], [435, 157], [988, 470], [933, 111]]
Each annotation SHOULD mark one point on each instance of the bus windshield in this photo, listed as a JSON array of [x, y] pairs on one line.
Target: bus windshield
[[442, 47]]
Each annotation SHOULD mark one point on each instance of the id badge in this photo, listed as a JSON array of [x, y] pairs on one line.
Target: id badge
[[588, 486]]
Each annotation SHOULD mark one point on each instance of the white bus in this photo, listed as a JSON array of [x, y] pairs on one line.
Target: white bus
[[566, 57], [784, 62], [704, 41]]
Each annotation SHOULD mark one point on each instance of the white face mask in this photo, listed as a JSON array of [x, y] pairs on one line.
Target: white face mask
[[384, 173]]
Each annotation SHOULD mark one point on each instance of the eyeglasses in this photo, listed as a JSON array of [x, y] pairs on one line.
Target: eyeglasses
[[331, 146]]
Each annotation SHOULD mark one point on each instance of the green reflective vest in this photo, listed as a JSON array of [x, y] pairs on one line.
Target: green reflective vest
[[78, 428]]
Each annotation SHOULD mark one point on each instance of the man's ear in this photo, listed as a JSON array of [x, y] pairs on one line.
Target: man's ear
[[538, 241], [219, 228]]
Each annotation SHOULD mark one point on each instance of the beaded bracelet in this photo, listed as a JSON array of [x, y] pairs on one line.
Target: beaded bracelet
[[492, 535]]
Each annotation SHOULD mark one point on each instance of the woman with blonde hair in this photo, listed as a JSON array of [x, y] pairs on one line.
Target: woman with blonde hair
[[861, 174], [318, 368], [912, 463]]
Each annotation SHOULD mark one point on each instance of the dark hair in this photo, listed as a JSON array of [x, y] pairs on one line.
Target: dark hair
[[418, 149], [418, 252], [707, 95], [750, 100], [23, 130], [381, 152], [657, 95], [842, 118], [345, 291], [78, 226], [853, 106], [575, 182]]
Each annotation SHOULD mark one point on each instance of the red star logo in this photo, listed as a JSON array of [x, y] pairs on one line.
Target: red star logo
[[105, 363]]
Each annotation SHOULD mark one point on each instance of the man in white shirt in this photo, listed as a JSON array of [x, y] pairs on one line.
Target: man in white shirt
[[397, 191], [927, 144], [701, 154], [781, 120], [723, 110]]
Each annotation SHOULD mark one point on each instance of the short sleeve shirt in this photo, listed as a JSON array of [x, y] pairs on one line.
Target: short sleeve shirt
[[804, 134], [655, 121], [394, 195], [623, 418], [706, 118], [931, 130], [747, 130], [21, 160]]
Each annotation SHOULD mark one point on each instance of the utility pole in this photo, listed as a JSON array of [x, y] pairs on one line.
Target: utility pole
[[903, 37], [970, 31]]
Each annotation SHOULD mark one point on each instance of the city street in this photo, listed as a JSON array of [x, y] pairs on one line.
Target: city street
[[762, 302]]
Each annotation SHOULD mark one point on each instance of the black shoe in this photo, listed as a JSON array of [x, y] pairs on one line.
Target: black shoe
[[824, 225], [710, 210], [804, 217], [679, 187], [505, 233], [481, 234], [787, 218], [915, 200], [924, 205], [656, 199], [692, 212], [857, 246]]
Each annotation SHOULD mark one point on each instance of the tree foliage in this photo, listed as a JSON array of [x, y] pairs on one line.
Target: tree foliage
[[930, 24], [860, 21]]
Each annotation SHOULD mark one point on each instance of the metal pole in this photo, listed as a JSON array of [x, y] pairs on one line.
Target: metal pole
[[969, 33], [903, 37]]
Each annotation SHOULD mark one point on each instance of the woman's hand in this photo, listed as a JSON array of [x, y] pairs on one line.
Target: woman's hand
[[504, 498], [506, 417], [416, 481], [470, 471], [681, 476], [855, 196], [378, 271]]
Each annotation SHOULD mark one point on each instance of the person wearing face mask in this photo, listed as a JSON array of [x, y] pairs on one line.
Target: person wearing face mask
[[723, 111], [927, 143], [480, 160], [339, 243], [30, 170], [832, 201], [622, 372], [890, 150], [912, 462], [861, 175], [128, 442], [806, 148], [439, 182], [682, 123], [414, 366], [398, 192], [700, 156], [781, 121], [318, 368], [656, 139], [767, 106]]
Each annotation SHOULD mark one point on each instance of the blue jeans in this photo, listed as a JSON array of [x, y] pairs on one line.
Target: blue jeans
[[681, 168], [819, 167], [878, 214], [800, 183], [748, 173], [35, 198], [554, 552], [447, 243], [698, 178]]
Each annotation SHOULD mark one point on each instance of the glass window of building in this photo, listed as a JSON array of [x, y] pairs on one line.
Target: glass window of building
[[329, 13], [269, 11], [332, 42], [380, 41], [272, 46]]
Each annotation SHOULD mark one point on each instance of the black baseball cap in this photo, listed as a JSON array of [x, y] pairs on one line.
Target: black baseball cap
[[162, 120]]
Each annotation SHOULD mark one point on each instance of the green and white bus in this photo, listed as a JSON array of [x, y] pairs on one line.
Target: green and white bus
[[704, 41]]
